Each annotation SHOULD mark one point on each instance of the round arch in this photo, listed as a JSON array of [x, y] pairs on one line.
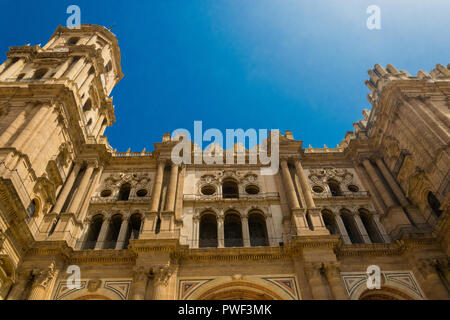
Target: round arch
[[239, 290], [93, 297], [385, 293], [388, 291]]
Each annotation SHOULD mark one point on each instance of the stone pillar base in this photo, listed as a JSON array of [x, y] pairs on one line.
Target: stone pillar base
[[418, 219], [300, 222], [167, 221], [317, 222], [149, 226], [397, 222], [66, 228]]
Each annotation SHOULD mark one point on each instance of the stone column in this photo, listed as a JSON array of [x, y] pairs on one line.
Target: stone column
[[31, 127], [140, 279], [270, 232], [362, 230], [19, 287], [80, 243], [67, 187], [220, 232], [156, 194], [42, 279], [62, 68], [86, 83], [149, 225], [98, 125], [12, 69], [385, 195], [289, 186], [170, 199], [123, 233], [75, 68], [412, 213], [377, 201], [161, 278], [314, 274], [195, 231], [433, 285], [245, 231], [341, 227], [335, 281], [87, 198], [302, 279], [376, 219], [306, 190], [396, 220], [78, 197], [103, 233], [179, 198], [81, 76], [15, 125]]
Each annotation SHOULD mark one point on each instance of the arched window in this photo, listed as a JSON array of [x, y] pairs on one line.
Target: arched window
[[135, 226], [330, 222], [73, 41], [134, 229], [87, 105], [351, 227], [208, 231], [89, 123], [230, 189], [434, 204], [371, 227], [124, 192], [334, 188], [39, 74], [113, 232], [108, 66], [31, 210], [258, 230], [10, 63], [20, 76], [233, 230], [93, 232]]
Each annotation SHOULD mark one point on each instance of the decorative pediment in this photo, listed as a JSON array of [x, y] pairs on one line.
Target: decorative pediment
[[321, 176], [135, 179], [53, 173], [46, 189]]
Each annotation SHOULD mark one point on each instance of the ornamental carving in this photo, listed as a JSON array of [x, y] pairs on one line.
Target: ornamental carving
[[162, 274], [392, 148], [321, 177], [134, 179], [140, 274], [43, 277]]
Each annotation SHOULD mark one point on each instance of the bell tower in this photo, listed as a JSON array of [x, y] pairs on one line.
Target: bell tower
[[54, 109]]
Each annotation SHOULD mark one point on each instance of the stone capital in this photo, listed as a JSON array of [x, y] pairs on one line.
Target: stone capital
[[42, 277], [313, 270], [427, 267], [161, 274], [332, 270], [140, 274]]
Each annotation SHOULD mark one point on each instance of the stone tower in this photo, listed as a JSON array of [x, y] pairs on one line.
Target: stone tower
[[54, 109]]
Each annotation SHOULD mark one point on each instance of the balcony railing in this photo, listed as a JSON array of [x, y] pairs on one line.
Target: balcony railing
[[344, 194], [195, 197], [98, 199]]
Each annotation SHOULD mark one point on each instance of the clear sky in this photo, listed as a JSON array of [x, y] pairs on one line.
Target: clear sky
[[262, 64]]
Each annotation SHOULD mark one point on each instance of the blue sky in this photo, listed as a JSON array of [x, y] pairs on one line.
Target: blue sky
[[263, 64]]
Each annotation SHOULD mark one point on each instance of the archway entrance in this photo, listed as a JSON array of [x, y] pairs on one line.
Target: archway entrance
[[239, 290], [384, 294]]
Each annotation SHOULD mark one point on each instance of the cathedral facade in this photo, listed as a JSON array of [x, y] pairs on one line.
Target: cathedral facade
[[368, 219]]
